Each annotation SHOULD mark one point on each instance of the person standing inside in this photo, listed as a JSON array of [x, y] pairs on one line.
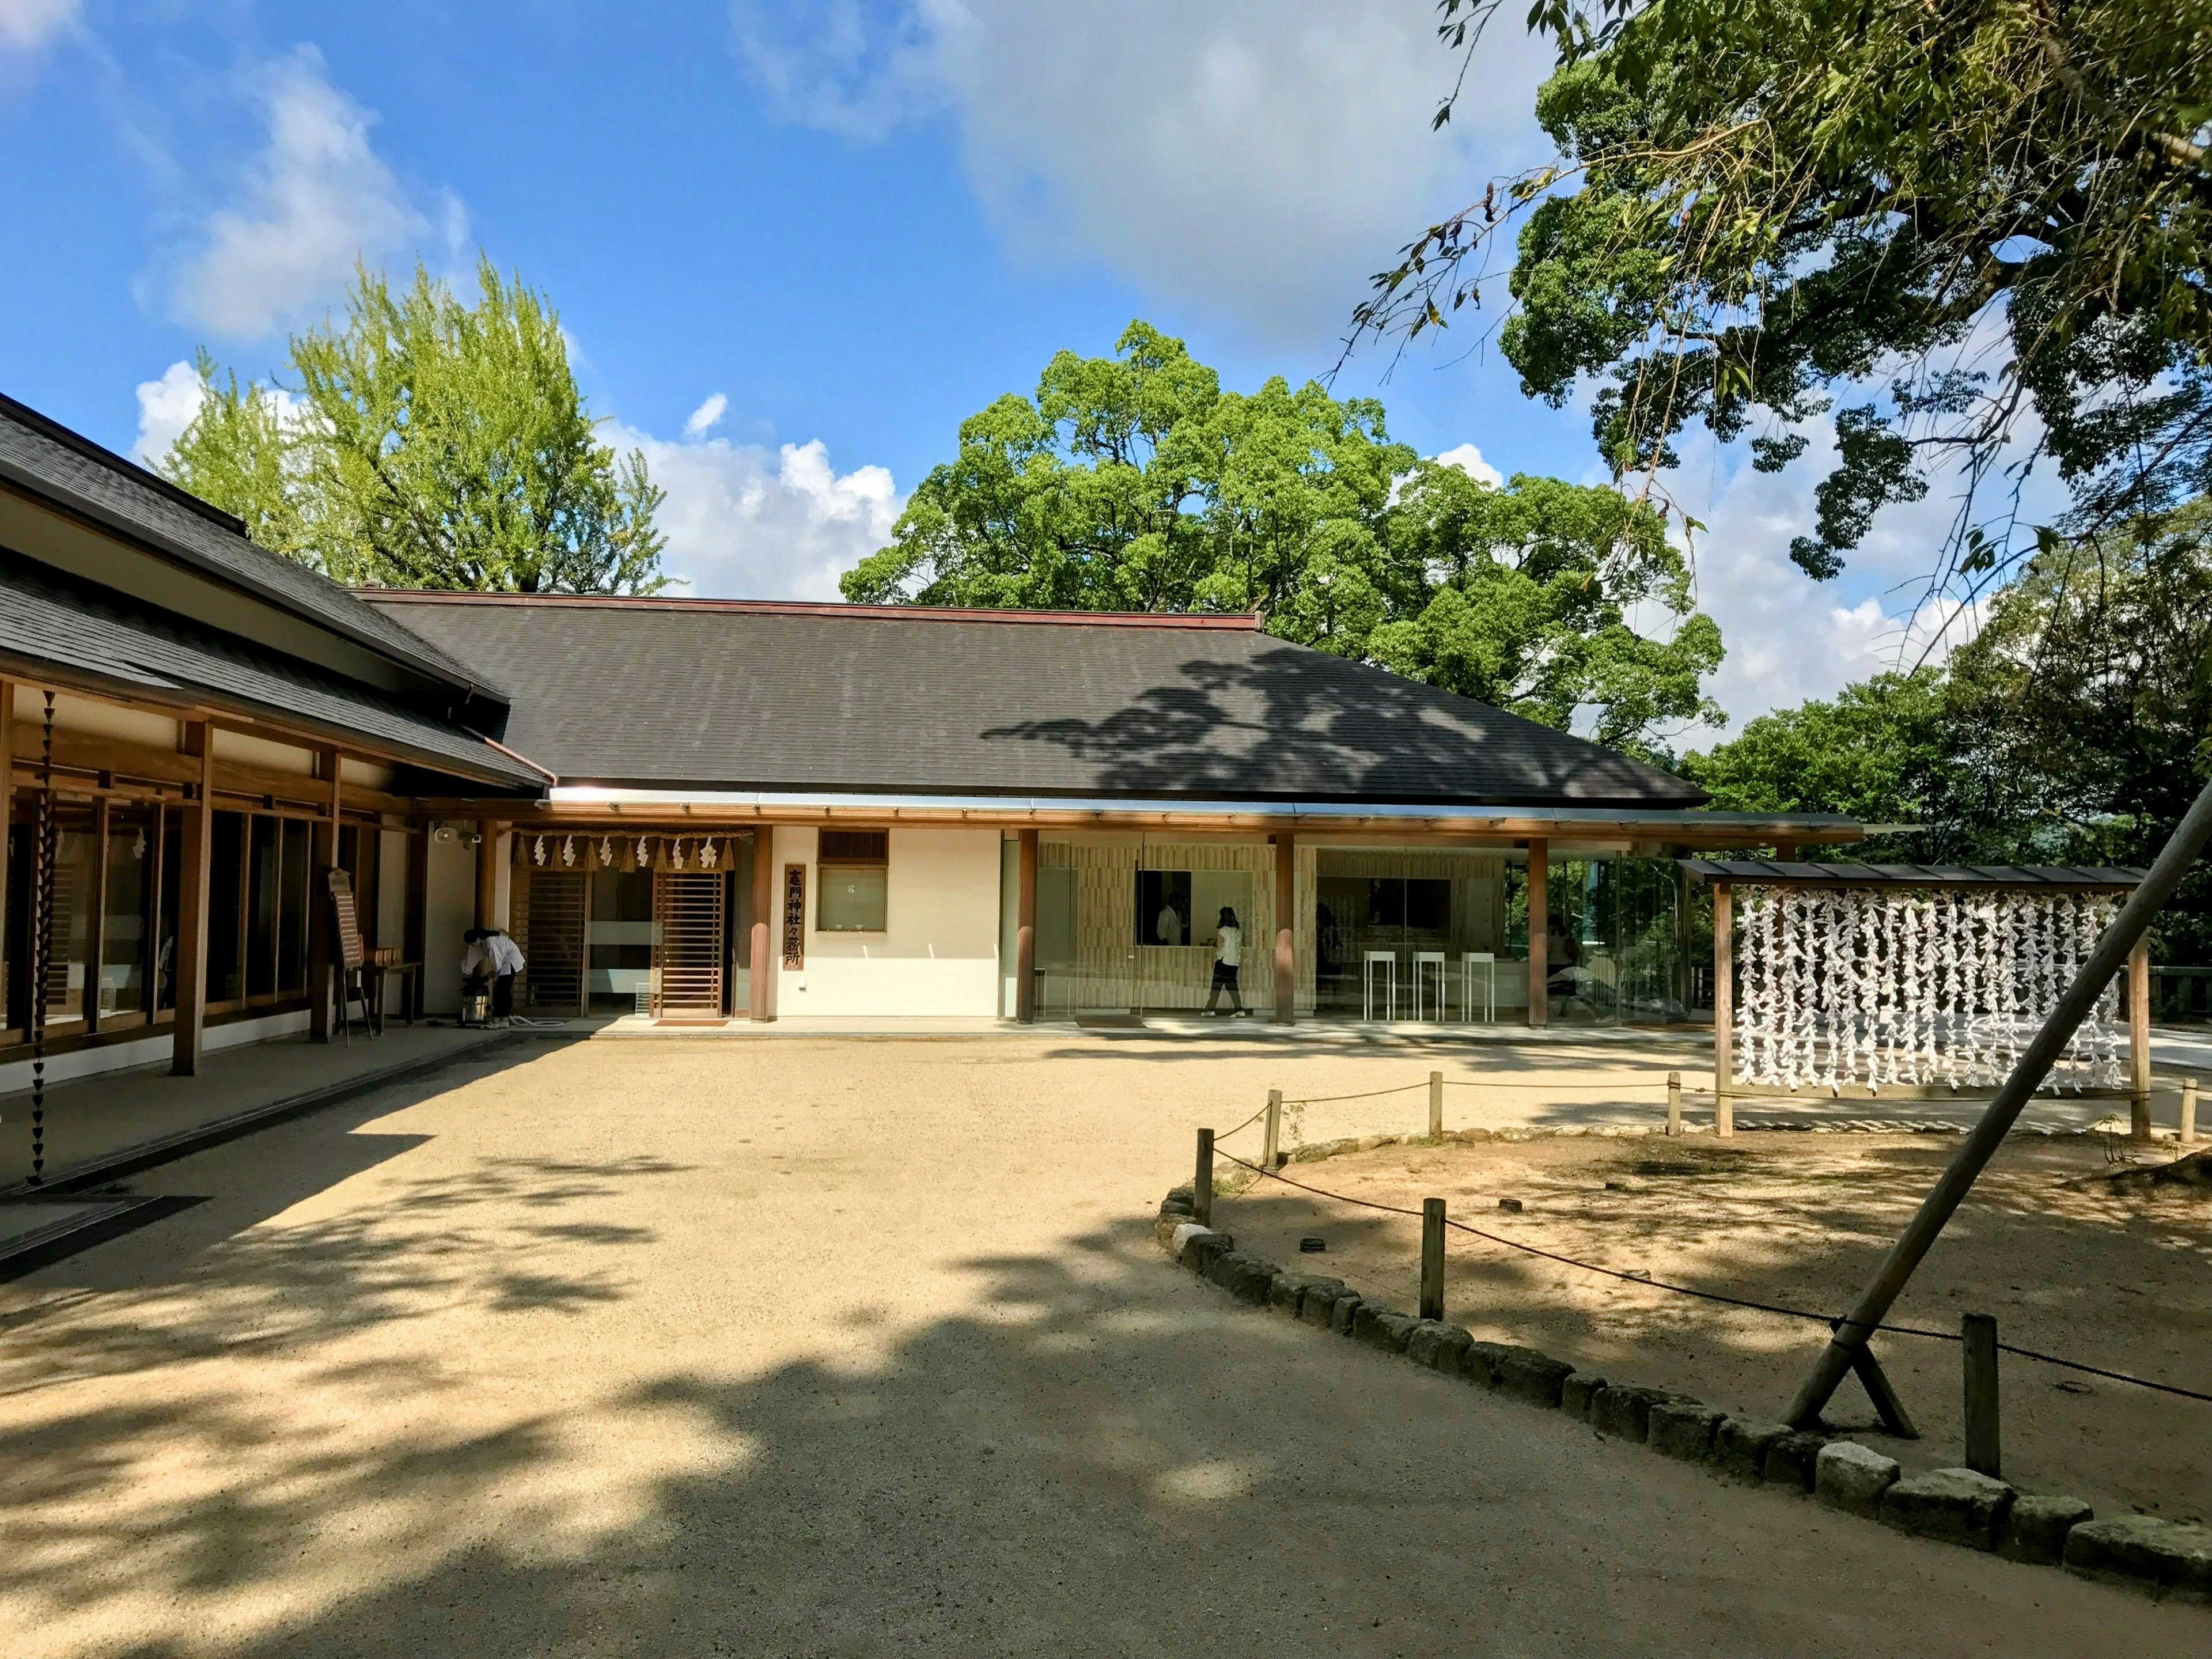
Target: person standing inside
[[1228, 956], [494, 958]]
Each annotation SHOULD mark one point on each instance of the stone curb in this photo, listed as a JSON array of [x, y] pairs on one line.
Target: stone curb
[[2169, 1558]]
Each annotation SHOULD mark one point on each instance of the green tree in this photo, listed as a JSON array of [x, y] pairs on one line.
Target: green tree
[[1135, 483], [1932, 222], [430, 444]]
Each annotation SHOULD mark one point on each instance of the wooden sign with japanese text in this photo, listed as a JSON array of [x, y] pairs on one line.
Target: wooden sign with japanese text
[[795, 916]]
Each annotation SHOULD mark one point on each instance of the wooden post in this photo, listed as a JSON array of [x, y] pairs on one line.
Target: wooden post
[[196, 854], [1785, 852], [487, 873], [322, 859], [1432, 1258], [96, 939], [415, 929], [583, 959], [1723, 1012], [1201, 1183], [1286, 928], [1983, 1449], [1025, 885], [1267, 1155], [1673, 1103], [2139, 1040], [760, 958], [1436, 1105], [1540, 928], [2188, 1127]]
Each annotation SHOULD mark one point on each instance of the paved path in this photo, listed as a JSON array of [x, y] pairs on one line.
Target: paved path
[[811, 1348]]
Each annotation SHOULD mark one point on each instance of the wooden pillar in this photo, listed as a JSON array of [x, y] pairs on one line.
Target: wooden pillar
[[2139, 1041], [1723, 1010], [192, 920], [1286, 928], [760, 950], [584, 950], [322, 859], [1025, 883], [95, 952], [1785, 852], [414, 928], [1540, 926], [487, 871]]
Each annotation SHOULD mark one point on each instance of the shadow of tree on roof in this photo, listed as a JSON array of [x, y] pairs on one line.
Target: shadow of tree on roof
[[1292, 722]]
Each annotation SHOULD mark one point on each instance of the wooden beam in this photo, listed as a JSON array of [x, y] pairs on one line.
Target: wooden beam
[[1025, 886], [1286, 928], [1723, 1010], [322, 859], [192, 919], [1540, 928], [759, 960], [2139, 1040]]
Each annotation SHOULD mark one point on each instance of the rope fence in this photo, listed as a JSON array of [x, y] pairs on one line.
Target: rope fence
[[1752, 1305]]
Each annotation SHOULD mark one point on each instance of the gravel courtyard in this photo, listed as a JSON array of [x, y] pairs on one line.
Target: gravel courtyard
[[844, 1347]]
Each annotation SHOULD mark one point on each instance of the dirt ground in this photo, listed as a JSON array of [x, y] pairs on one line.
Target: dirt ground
[[837, 1348], [2070, 1263]]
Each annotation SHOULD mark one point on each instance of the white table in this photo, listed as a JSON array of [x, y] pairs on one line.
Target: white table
[[1437, 960], [1369, 962], [1469, 962]]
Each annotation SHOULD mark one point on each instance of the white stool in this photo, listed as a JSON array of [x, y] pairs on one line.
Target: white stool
[[1469, 962], [1436, 959], [1388, 959]]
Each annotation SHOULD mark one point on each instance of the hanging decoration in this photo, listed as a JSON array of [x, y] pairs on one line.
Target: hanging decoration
[[538, 852], [675, 854], [568, 850], [606, 853], [644, 854], [706, 854], [1935, 985]]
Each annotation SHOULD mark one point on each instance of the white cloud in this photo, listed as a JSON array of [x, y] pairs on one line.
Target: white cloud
[[165, 408], [314, 200], [1258, 158], [706, 416], [742, 522], [28, 25], [1469, 459]]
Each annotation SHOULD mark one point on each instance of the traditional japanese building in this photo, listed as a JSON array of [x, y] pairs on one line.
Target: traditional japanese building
[[709, 811]]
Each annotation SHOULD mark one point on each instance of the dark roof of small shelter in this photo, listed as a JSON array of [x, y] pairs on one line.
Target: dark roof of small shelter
[[47, 459], [131, 648], [770, 696], [1763, 872]]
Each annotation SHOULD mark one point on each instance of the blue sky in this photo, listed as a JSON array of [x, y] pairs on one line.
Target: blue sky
[[852, 224]]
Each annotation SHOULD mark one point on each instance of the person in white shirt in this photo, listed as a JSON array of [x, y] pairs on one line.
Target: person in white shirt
[[1167, 927], [1228, 956], [492, 960]]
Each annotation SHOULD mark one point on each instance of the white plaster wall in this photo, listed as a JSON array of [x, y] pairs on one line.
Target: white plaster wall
[[392, 888], [451, 902], [938, 954], [151, 1050]]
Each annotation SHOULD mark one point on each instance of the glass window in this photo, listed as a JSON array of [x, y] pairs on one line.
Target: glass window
[[855, 898], [132, 854], [622, 937], [1163, 907], [171, 885], [74, 903], [293, 899], [264, 868], [226, 976]]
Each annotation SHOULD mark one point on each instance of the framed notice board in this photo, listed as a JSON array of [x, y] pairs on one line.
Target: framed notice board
[[795, 916]]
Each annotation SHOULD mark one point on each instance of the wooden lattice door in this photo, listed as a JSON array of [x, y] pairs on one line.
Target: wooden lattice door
[[553, 941], [688, 923]]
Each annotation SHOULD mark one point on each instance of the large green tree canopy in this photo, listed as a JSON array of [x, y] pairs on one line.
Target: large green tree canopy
[[1974, 234], [428, 444], [1135, 483]]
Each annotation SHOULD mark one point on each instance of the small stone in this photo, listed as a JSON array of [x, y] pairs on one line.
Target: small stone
[[1179, 1198], [1535, 1378], [1849, 1476], [1284, 1291], [1319, 1300], [1957, 1505], [1577, 1390], [1244, 1276], [1391, 1331], [2172, 1554], [1511, 1205], [1364, 1317], [1623, 1409], [1473, 1137], [1793, 1460], [2035, 1529], [1682, 1429], [1740, 1445], [1196, 1246], [1345, 1311], [1438, 1346]]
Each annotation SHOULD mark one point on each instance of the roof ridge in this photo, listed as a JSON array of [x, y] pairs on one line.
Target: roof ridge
[[144, 476], [1221, 622]]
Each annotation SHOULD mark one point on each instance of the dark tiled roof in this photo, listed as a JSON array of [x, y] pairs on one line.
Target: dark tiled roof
[[838, 698], [49, 618], [1755, 873], [54, 462]]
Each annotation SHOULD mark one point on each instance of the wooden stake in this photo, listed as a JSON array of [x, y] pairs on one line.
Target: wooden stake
[[1432, 1258], [1436, 1105], [1673, 1103], [1201, 1185], [1274, 1128], [2188, 1136], [1723, 1012], [1979, 1332], [2139, 1040]]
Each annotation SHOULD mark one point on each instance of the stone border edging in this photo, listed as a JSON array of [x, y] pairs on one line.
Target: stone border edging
[[2170, 1558]]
